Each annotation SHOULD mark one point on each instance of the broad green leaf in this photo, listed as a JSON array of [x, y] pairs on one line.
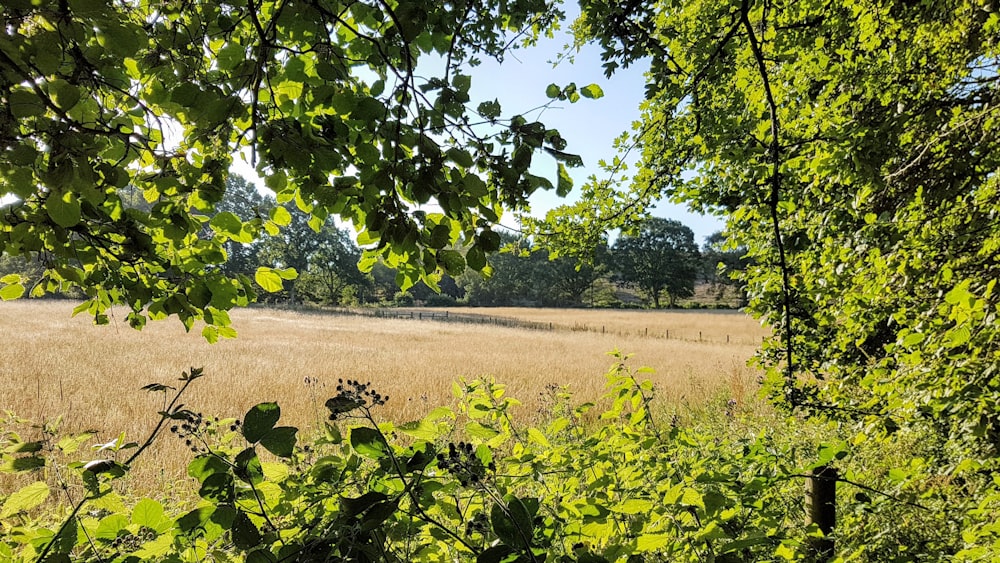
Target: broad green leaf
[[592, 91], [268, 279], [12, 291], [553, 91], [63, 208], [245, 534], [452, 261], [633, 506], [475, 257], [280, 441], [226, 222], [281, 216], [64, 94], [110, 526], [148, 513], [651, 542], [368, 442], [460, 157], [25, 103], [565, 182], [259, 420], [24, 499], [534, 435], [477, 430], [422, 429]]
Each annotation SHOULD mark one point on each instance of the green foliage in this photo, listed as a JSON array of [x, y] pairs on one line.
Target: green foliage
[[853, 149], [470, 483], [119, 123], [661, 257], [521, 276]]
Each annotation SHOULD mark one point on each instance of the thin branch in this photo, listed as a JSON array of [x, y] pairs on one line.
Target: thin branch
[[774, 197]]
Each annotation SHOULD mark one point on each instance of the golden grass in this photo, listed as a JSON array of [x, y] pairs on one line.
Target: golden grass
[[722, 326], [52, 365]]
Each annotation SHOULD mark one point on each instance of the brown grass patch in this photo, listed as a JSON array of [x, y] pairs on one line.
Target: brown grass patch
[[52, 365]]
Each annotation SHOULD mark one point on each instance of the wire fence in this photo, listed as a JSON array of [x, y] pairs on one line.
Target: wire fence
[[511, 322]]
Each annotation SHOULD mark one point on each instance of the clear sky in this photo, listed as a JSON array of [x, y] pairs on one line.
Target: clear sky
[[589, 126]]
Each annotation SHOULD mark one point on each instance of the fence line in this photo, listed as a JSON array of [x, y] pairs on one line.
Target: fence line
[[511, 322]]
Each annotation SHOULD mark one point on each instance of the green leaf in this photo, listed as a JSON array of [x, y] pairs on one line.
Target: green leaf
[[422, 429], [496, 554], [460, 157], [268, 279], [476, 258], [25, 103], [452, 261], [565, 183], [248, 467], [287, 273], [24, 499], [246, 536], [489, 110], [633, 506], [226, 222], [281, 216], [259, 420], [462, 82], [218, 488], [340, 404], [149, 513], [202, 466], [19, 464], [64, 94], [477, 430], [651, 542], [110, 526], [280, 441], [12, 291], [592, 91], [513, 526], [63, 209], [368, 442], [553, 90]]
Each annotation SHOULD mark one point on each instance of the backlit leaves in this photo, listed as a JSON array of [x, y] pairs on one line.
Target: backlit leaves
[[119, 150]]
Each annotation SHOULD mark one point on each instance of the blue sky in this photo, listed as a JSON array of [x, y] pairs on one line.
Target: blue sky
[[589, 126]]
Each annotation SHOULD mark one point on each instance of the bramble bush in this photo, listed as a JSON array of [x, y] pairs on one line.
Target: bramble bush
[[628, 483]]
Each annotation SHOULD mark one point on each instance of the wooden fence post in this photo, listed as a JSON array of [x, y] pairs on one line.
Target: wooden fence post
[[821, 509]]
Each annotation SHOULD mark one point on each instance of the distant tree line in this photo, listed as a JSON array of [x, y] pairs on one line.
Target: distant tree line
[[658, 265]]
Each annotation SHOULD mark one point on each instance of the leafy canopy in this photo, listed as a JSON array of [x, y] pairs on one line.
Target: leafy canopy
[[854, 147], [356, 109]]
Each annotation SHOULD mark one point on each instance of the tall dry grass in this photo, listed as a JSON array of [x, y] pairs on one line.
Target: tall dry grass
[[720, 326], [53, 365]]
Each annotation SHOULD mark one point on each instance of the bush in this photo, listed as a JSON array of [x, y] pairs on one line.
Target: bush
[[468, 484]]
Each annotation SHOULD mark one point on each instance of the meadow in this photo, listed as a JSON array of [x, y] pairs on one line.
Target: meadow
[[54, 365]]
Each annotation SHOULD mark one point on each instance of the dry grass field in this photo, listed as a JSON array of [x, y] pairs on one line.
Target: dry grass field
[[53, 365], [722, 326]]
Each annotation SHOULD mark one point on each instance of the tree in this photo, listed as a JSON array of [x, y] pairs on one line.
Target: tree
[[333, 268], [854, 148], [661, 258], [325, 99], [724, 266]]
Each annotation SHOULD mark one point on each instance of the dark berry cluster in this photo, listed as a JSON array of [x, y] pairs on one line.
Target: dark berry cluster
[[193, 427], [731, 408], [462, 462], [353, 394], [479, 524]]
